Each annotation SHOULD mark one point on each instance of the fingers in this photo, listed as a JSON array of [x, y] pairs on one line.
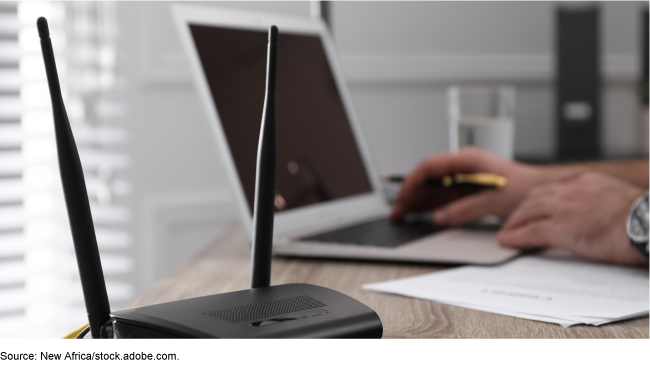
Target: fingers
[[539, 204], [530, 224], [468, 160], [533, 234], [466, 209]]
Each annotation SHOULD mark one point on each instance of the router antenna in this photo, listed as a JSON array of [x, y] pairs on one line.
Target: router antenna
[[76, 197], [265, 177]]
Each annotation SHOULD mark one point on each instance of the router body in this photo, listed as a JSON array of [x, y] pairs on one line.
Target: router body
[[282, 311]]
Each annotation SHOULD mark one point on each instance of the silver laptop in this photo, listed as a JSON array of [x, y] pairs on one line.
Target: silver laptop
[[329, 201]]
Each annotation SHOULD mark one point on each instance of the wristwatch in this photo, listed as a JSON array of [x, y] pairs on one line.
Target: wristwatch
[[637, 224]]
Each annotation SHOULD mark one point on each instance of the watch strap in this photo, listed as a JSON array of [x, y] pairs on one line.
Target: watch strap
[[641, 246]]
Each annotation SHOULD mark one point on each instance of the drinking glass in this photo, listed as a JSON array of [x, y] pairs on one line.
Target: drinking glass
[[482, 116]]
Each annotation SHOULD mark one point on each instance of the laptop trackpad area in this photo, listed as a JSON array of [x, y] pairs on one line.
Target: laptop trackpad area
[[416, 241], [379, 232]]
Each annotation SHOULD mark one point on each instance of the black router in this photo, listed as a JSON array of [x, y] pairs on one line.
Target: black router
[[282, 311]]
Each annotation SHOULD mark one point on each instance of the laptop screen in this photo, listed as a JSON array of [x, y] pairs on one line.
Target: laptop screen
[[318, 159]]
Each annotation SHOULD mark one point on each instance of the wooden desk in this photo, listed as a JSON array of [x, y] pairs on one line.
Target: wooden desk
[[224, 266]]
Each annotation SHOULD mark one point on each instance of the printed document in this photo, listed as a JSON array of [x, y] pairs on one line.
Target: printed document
[[542, 288]]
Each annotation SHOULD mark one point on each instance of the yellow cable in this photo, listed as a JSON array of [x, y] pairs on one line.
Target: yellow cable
[[72, 335]]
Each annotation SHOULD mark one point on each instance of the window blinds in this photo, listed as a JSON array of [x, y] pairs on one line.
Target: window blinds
[[40, 292]]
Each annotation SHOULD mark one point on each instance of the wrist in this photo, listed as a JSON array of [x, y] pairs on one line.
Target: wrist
[[557, 173], [631, 255]]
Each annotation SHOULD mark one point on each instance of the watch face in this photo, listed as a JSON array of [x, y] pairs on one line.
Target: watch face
[[637, 221]]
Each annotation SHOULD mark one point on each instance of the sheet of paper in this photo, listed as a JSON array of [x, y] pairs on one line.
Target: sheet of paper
[[555, 290], [561, 321], [565, 322]]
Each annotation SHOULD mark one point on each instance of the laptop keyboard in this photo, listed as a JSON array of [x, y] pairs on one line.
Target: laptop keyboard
[[380, 232]]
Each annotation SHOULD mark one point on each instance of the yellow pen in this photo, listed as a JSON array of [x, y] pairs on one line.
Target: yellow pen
[[480, 179]]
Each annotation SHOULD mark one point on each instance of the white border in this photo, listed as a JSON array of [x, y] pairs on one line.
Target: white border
[[299, 220], [335, 351]]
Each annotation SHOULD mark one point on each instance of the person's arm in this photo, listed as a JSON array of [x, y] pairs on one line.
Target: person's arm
[[634, 172], [454, 208]]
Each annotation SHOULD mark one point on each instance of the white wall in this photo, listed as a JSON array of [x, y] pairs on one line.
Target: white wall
[[398, 57]]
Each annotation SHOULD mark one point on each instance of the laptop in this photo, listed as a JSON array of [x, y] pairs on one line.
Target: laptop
[[329, 199]]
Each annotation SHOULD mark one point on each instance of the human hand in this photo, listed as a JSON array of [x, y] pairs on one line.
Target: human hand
[[586, 215], [454, 207]]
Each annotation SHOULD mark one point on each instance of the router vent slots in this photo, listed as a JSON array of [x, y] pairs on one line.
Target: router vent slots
[[247, 313]]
